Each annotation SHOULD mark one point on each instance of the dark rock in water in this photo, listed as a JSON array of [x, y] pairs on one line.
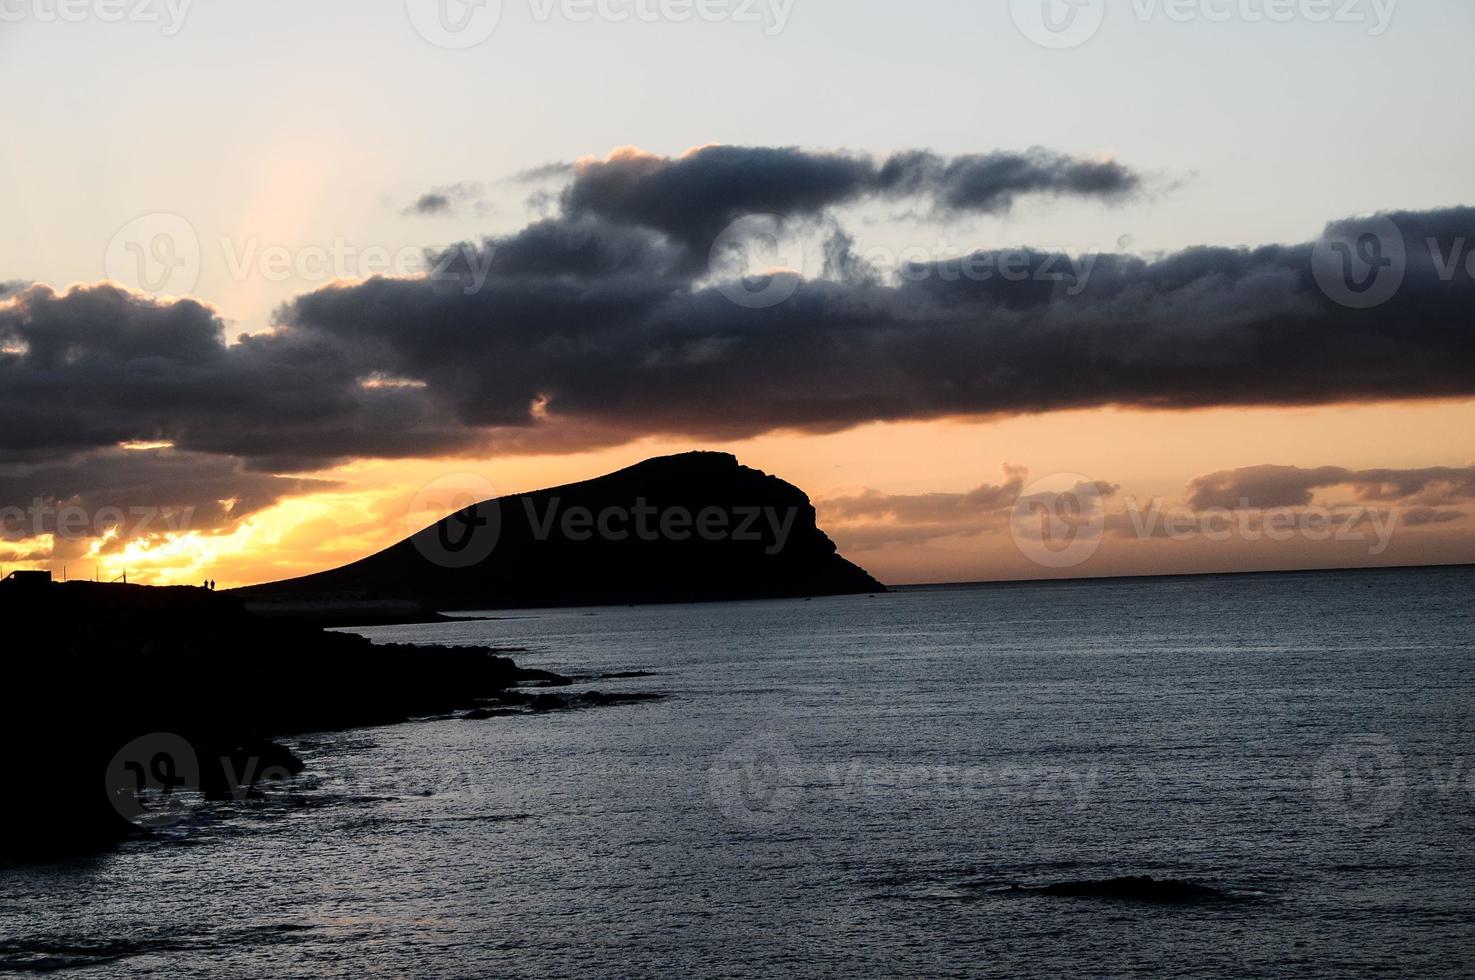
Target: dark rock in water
[[548, 702], [235, 768], [603, 700], [543, 703], [486, 714], [1137, 888], [693, 528], [513, 697]]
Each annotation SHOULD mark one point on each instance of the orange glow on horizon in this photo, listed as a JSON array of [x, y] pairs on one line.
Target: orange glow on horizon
[[1149, 454]]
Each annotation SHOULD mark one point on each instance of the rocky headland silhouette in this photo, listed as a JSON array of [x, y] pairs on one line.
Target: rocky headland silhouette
[[698, 527]]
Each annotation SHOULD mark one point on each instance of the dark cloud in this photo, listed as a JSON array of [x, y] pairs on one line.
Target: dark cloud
[[128, 494], [695, 196], [991, 182], [99, 366], [584, 336], [449, 200], [1269, 487], [430, 204], [581, 332]]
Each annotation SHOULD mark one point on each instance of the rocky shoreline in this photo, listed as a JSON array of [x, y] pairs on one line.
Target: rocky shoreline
[[120, 696]]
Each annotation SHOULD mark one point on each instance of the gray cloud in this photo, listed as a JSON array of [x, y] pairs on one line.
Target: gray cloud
[[592, 324], [694, 196], [129, 494], [547, 171], [1268, 487], [450, 200], [930, 508], [98, 366], [1408, 498], [988, 183], [580, 332], [873, 519], [431, 203]]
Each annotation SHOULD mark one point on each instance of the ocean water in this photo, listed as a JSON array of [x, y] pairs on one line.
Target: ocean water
[[850, 787]]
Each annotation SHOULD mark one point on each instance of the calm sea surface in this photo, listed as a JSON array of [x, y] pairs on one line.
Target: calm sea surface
[[849, 787]]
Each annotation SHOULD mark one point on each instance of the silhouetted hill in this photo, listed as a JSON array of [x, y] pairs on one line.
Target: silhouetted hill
[[692, 528]]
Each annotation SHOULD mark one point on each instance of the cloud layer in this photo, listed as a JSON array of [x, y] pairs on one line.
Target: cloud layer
[[1402, 498], [579, 332], [1263, 487], [604, 324], [587, 324]]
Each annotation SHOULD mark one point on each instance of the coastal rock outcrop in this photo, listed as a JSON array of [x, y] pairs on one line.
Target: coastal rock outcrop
[[116, 695]]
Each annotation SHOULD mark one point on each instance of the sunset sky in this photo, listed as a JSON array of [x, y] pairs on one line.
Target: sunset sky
[[221, 341]]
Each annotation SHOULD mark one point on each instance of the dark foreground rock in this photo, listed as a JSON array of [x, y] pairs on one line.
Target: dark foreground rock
[[113, 690], [693, 528]]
